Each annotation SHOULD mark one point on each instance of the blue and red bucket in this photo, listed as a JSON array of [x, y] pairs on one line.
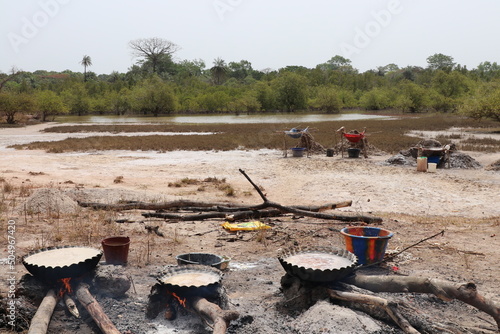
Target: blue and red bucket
[[367, 243]]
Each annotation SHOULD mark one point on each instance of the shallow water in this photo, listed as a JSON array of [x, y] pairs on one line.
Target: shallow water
[[24, 135], [218, 119]]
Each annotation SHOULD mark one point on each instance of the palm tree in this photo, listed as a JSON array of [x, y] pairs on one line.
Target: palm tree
[[219, 71], [86, 61]]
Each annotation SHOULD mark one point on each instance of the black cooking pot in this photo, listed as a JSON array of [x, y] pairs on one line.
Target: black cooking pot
[[206, 259], [53, 263], [318, 264], [191, 280]]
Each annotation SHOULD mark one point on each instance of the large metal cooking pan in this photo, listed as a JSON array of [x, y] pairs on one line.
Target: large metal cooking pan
[[318, 264], [53, 263], [191, 280]]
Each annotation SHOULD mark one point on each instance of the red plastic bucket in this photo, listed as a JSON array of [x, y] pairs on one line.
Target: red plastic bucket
[[367, 243], [116, 249]]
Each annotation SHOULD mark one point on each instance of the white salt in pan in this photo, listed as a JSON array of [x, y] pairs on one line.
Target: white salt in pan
[[321, 261], [197, 279], [61, 257]]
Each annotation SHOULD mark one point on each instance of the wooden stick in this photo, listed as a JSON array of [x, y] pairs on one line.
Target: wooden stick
[[95, 310], [263, 213], [148, 206], [445, 290], [324, 207], [314, 208], [70, 304], [341, 130], [254, 185], [285, 149], [390, 257], [220, 318], [348, 218], [41, 319], [198, 206], [389, 308], [365, 147]]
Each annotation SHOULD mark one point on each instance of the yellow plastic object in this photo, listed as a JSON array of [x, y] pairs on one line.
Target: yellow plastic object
[[249, 226]]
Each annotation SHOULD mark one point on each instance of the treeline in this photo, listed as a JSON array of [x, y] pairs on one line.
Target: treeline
[[163, 86]]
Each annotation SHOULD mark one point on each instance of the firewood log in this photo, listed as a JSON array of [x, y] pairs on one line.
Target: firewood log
[[40, 322], [220, 318], [95, 310]]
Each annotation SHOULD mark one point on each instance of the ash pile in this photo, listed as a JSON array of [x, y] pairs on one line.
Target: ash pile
[[448, 156]]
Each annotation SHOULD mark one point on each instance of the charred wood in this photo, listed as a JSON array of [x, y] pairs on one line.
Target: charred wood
[[445, 290], [389, 307], [422, 321]]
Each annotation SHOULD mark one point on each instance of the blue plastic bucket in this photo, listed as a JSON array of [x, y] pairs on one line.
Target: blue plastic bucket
[[367, 243], [434, 159]]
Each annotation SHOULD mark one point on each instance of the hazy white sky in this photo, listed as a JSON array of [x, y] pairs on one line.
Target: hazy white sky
[[56, 34]]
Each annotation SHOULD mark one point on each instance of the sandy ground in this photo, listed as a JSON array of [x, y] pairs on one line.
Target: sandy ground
[[372, 186], [413, 205]]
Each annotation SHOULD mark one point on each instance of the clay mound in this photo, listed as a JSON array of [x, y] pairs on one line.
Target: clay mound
[[49, 201], [494, 166]]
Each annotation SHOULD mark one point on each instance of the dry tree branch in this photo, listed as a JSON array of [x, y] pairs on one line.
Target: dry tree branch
[[388, 307]]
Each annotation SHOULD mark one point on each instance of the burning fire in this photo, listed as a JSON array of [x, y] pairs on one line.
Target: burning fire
[[181, 301], [65, 286]]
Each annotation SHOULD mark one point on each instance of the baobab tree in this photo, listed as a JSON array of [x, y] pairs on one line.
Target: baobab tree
[[86, 61], [153, 50]]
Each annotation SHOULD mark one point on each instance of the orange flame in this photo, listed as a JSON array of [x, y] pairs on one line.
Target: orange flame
[[65, 286], [181, 301]]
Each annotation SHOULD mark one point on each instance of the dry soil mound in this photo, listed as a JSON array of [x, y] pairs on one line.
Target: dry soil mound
[[49, 201], [323, 317], [494, 166]]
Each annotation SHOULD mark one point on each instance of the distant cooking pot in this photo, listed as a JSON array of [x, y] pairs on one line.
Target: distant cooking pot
[[206, 259]]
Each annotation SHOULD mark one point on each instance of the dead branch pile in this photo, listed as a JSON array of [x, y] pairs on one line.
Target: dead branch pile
[[229, 212], [307, 141]]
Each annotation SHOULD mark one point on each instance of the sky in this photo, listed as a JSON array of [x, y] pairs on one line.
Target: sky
[[54, 35]]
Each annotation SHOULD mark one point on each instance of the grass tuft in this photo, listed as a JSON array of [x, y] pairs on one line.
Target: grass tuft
[[118, 179]]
